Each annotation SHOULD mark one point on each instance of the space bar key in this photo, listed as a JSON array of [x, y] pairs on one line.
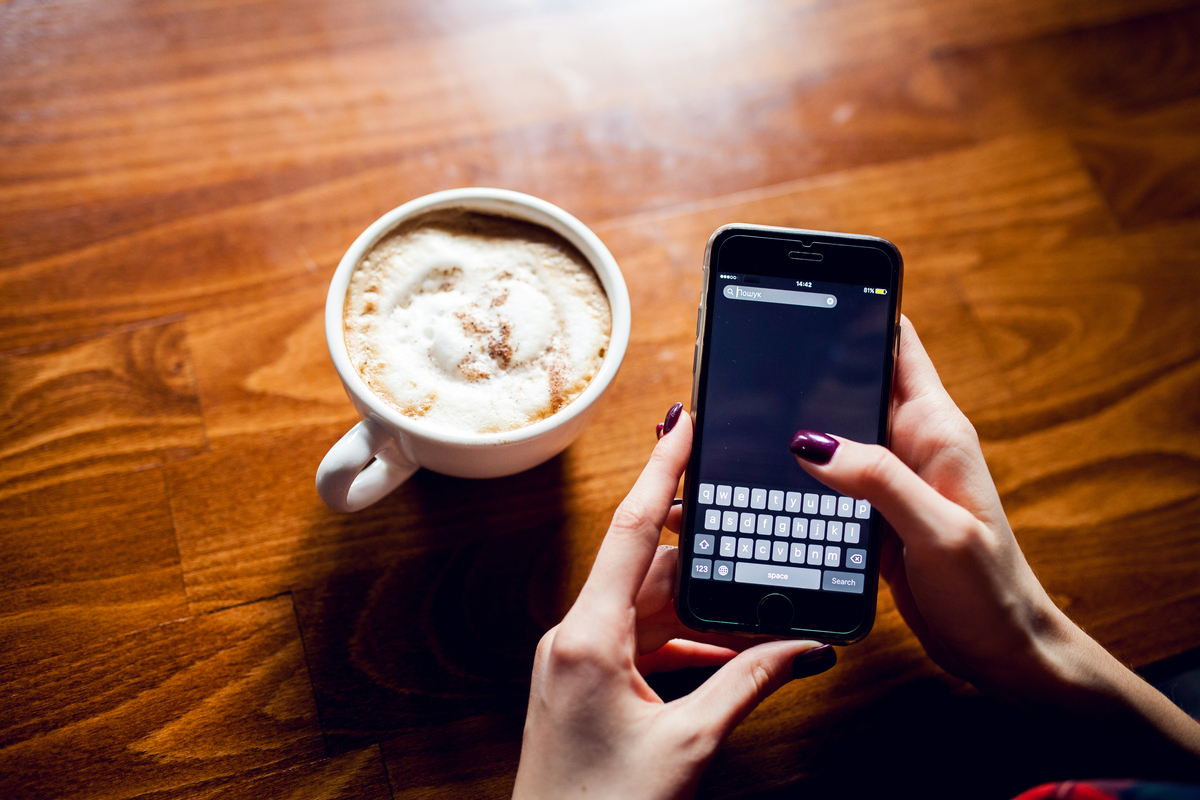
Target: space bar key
[[777, 575]]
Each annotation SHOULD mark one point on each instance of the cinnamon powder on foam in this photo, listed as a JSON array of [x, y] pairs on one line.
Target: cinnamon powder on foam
[[476, 323]]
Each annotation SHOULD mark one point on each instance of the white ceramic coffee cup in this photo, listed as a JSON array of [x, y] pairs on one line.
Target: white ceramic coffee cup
[[386, 447]]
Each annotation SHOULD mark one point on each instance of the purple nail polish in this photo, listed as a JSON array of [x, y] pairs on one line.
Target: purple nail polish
[[658, 430], [814, 446], [814, 662], [672, 418]]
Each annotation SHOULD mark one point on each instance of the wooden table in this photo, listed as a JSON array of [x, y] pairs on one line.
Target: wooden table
[[179, 613]]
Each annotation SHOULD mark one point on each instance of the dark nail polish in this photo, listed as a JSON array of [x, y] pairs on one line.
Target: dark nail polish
[[814, 662], [672, 418], [814, 446], [658, 430]]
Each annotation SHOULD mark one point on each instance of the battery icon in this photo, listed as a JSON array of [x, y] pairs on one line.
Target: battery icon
[[881, 291]]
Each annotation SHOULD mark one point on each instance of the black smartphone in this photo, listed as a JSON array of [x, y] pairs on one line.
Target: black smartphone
[[796, 329]]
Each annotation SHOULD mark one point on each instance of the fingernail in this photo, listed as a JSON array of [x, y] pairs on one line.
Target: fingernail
[[672, 418], [678, 501], [658, 429], [814, 446], [814, 662]]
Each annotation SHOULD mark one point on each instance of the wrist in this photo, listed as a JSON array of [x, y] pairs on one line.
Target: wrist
[[1142, 724], [1072, 670], [1071, 674], [1049, 663]]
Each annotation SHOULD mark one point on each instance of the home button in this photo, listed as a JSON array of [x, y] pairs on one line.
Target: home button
[[775, 611]]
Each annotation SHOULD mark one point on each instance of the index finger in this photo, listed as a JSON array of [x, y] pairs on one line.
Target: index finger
[[632, 538]]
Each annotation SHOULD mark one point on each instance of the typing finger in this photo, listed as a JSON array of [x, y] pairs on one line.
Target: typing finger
[[916, 511]]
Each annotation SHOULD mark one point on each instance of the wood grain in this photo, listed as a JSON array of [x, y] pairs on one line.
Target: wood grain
[[125, 400], [171, 706], [86, 560], [1099, 344], [1148, 166], [210, 197], [1124, 91], [360, 774], [179, 180]]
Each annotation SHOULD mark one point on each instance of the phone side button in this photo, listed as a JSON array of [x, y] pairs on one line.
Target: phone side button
[[695, 357]]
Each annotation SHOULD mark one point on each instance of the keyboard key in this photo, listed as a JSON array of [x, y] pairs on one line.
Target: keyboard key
[[816, 554], [792, 505], [833, 556], [779, 552], [728, 547], [745, 548], [747, 523], [766, 524], [758, 498], [812, 504], [800, 528], [783, 526], [762, 549], [729, 521], [852, 532], [816, 529], [723, 571], [799, 553], [833, 531], [828, 505], [862, 509], [775, 500], [852, 582], [705, 544], [772, 575], [705, 495], [845, 507], [724, 495], [702, 568], [712, 519], [856, 559], [741, 497]]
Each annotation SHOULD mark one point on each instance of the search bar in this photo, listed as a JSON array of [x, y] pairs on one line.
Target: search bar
[[758, 295]]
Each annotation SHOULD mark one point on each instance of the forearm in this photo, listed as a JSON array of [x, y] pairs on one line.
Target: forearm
[[1081, 678]]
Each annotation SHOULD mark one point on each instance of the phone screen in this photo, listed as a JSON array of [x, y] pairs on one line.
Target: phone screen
[[789, 344]]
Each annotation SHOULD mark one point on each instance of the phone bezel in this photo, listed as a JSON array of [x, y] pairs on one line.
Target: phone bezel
[[809, 239]]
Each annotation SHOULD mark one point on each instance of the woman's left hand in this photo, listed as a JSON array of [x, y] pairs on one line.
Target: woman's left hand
[[594, 726]]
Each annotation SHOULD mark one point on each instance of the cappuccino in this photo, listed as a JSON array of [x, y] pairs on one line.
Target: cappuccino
[[474, 323]]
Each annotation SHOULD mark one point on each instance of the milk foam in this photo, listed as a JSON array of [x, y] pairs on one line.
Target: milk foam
[[476, 323]]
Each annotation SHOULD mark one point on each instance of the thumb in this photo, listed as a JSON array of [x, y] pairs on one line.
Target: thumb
[[916, 511], [737, 688]]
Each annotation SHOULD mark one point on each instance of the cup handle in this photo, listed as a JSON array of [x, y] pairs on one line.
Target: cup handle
[[349, 480]]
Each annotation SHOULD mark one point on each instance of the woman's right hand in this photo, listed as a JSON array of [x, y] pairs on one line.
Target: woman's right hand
[[957, 574]]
